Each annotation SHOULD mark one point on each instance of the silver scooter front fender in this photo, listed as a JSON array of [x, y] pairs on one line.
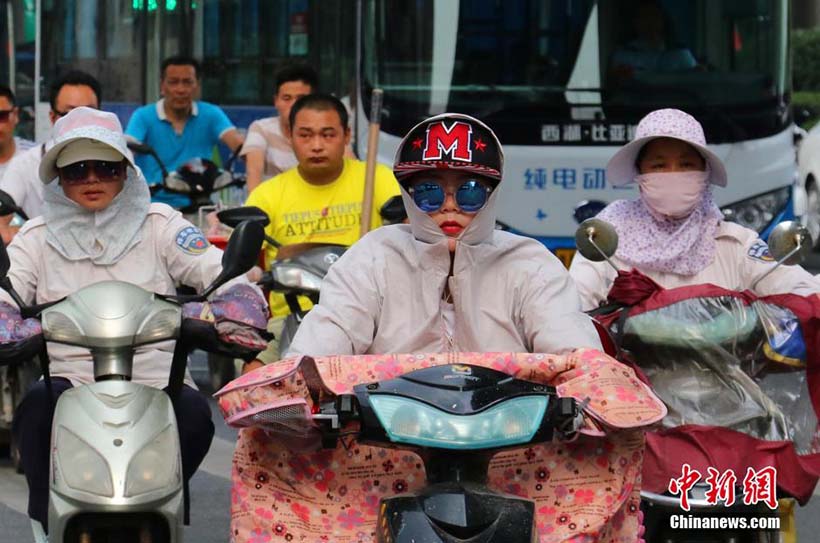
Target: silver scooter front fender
[[114, 449]]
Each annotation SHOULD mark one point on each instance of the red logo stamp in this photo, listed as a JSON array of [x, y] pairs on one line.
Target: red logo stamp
[[758, 486]]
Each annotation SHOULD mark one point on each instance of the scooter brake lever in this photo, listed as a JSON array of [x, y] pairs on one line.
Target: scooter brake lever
[[338, 412], [181, 299], [333, 416], [347, 407], [327, 415], [34, 311]]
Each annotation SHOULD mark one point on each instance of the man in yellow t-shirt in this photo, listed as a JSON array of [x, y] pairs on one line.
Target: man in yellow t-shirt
[[320, 200]]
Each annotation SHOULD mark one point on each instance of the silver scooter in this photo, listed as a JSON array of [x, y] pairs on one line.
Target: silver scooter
[[116, 468]]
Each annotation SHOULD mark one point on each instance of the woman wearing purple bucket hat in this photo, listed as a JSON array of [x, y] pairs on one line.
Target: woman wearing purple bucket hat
[[674, 232]]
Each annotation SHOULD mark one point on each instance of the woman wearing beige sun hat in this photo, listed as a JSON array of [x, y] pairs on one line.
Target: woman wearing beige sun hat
[[674, 232], [99, 224]]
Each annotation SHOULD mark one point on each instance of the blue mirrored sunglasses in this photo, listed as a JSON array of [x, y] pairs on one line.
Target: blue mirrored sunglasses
[[470, 196]]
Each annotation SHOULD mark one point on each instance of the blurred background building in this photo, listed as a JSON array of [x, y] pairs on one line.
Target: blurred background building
[[241, 43], [805, 13]]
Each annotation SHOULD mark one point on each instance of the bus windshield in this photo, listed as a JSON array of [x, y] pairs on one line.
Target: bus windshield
[[520, 63]]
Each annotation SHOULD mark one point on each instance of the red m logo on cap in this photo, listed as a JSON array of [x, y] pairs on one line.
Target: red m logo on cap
[[454, 141]]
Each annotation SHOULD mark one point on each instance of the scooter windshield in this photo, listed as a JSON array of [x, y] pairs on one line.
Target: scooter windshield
[[729, 361]]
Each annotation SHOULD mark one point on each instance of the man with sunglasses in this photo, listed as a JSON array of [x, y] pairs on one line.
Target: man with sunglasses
[[10, 145], [73, 89], [448, 281]]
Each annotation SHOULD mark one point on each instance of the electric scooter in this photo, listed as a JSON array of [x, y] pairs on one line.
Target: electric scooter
[[706, 362], [456, 417], [116, 468], [198, 178]]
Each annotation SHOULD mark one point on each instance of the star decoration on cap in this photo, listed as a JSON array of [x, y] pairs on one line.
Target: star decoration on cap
[[417, 143], [480, 145]]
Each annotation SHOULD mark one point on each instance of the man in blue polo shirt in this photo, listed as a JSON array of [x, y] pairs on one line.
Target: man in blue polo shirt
[[178, 127]]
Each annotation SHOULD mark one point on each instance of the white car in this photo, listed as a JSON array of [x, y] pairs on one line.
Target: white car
[[808, 166]]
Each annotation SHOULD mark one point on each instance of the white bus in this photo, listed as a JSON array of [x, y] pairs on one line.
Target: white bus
[[564, 82]]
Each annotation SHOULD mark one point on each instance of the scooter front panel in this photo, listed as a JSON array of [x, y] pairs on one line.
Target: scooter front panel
[[115, 423]]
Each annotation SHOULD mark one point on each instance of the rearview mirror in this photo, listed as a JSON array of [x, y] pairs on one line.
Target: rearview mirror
[[393, 212], [139, 147], [5, 263], [145, 149], [8, 206], [5, 282], [790, 243], [235, 215], [241, 253], [801, 115], [597, 240], [587, 209]]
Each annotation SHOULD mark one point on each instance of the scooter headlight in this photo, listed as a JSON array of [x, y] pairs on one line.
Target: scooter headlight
[[297, 278], [60, 328], [162, 325], [155, 466], [81, 466], [509, 423]]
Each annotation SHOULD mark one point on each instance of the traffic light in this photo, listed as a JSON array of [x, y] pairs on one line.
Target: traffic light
[[139, 5]]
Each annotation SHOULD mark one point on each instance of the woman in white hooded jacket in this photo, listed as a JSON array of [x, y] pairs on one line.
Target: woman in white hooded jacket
[[99, 224], [448, 281]]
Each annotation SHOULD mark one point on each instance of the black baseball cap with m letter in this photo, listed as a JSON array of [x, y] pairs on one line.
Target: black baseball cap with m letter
[[450, 141]]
